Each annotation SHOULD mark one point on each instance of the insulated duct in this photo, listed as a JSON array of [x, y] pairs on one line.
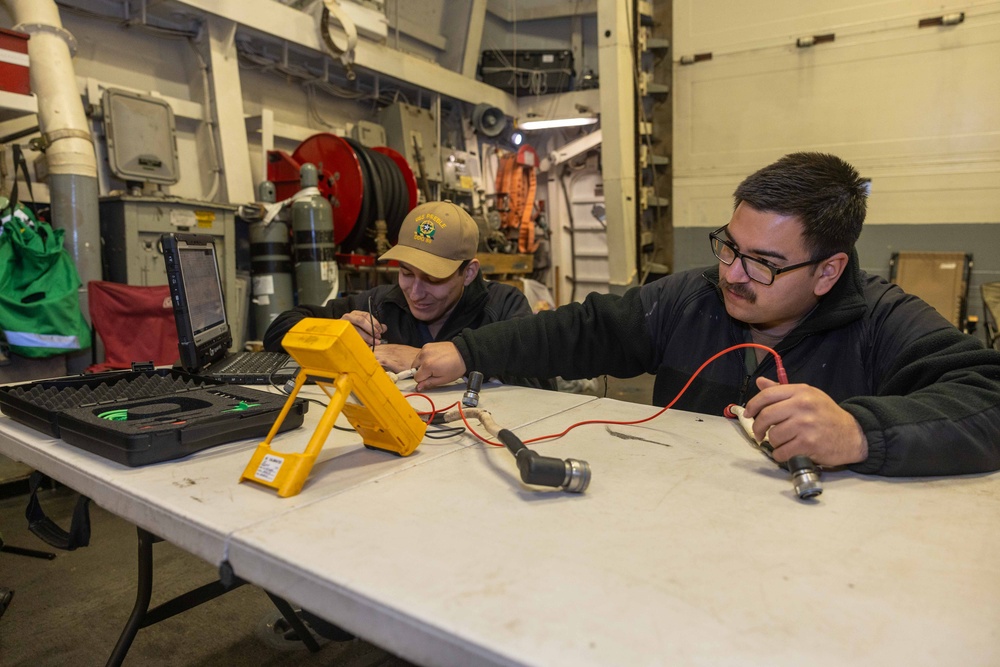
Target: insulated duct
[[70, 162]]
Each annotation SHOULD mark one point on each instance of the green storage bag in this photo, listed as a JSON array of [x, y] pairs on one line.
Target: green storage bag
[[39, 288]]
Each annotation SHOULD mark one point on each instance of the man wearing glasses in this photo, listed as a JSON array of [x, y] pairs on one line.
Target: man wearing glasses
[[878, 380]]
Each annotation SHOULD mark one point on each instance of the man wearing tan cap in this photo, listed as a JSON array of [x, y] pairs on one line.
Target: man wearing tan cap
[[440, 291]]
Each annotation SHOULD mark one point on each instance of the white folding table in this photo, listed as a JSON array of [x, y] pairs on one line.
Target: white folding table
[[689, 547]]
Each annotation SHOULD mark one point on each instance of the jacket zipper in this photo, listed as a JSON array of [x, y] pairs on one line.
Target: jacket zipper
[[742, 399]]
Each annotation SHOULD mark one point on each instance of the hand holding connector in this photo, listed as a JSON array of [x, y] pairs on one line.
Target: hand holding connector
[[804, 473]]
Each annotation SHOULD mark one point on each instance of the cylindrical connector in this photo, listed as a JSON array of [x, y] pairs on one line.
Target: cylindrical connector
[[570, 475], [577, 476], [805, 477], [470, 398]]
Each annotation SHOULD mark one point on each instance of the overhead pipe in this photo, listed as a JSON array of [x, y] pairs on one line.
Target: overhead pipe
[[70, 161]]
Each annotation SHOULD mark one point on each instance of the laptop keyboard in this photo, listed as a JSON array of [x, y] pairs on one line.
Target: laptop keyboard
[[254, 362]]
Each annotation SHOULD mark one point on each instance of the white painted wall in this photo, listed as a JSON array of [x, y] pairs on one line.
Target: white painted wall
[[917, 110]]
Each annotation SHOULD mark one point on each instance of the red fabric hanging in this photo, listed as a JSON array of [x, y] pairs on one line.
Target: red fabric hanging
[[135, 323]]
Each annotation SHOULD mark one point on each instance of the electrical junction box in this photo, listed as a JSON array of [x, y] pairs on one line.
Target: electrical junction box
[[131, 227], [141, 137], [368, 134], [461, 172], [406, 125]]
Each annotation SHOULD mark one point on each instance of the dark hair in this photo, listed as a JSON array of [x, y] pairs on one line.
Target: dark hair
[[823, 191]]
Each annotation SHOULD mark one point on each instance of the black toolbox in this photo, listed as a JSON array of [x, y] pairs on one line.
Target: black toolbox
[[528, 72], [146, 416]]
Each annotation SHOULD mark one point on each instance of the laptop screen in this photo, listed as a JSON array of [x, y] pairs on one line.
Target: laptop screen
[[200, 278], [199, 306]]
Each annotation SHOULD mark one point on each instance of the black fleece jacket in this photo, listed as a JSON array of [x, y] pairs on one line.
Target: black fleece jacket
[[926, 395]]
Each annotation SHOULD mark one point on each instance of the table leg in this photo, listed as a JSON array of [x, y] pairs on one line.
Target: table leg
[[143, 595], [293, 619], [142, 616]]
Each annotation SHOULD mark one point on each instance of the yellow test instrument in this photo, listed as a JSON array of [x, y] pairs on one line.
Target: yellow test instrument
[[333, 355]]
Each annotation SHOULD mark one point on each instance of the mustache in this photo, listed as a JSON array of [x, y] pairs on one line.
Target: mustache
[[739, 289]]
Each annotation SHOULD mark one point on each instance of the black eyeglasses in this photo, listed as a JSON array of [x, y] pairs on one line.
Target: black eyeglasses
[[758, 270]]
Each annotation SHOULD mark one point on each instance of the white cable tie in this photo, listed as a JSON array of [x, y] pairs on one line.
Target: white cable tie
[[274, 209]]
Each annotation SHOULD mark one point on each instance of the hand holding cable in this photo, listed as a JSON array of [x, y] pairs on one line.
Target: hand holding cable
[[801, 420]]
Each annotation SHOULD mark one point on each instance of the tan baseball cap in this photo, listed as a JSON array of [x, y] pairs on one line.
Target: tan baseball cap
[[436, 238]]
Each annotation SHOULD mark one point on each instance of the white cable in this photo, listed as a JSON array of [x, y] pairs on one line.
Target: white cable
[[402, 375], [483, 416], [745, 422]]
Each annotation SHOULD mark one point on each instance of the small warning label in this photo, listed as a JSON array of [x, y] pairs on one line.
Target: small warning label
[[269, 467]]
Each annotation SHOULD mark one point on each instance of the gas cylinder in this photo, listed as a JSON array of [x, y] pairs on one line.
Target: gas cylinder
[[312, 236], [270, 264]]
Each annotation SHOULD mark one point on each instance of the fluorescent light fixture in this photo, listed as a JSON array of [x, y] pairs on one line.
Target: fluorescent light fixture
[[530, 125]]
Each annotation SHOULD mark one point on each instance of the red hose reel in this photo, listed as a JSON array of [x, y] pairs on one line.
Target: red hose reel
[[341, 180]]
